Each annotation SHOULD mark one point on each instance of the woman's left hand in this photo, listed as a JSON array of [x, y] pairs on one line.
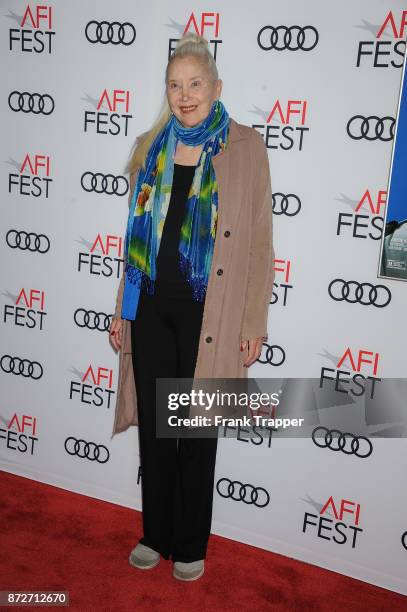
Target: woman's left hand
[[253, 347]]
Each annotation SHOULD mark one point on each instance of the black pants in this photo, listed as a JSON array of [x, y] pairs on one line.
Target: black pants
[[177, 475]]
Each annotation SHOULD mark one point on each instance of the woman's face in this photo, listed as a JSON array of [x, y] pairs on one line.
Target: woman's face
[[191, 91]]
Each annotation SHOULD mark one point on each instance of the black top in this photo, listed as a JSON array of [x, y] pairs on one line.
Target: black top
[[170, 281]]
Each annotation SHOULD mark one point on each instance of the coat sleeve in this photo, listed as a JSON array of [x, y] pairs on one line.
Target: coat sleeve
[[119, 297], [261, 262]]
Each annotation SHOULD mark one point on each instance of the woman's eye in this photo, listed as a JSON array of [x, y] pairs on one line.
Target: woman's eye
[[196, 83]]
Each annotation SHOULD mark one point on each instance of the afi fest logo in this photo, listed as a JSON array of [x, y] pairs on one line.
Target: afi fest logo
[[366, 219], [33, 176], [202, 24], [348, 375], [27, 310], [341, 524], [289, 119], [115, 115], [389, 46], [282, 269], [94, 386], [20, 434], [256, 434], [103, 257], [35, 33]]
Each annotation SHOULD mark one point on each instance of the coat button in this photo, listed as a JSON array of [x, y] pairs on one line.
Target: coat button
[[227, 234], [209, 338], [219, 272]]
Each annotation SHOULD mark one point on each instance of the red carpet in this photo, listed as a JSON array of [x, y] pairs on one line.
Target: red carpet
[[56, 540]]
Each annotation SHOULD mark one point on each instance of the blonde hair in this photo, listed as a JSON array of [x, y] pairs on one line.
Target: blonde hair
[[189, 44]]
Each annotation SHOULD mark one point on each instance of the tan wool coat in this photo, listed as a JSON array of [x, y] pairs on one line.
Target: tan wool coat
[[242, 271]]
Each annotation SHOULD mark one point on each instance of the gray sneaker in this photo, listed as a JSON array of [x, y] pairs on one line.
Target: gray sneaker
[[144, 557], [188, 571]]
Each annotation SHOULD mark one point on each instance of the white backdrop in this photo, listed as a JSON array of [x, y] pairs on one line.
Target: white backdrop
[[66, 387]]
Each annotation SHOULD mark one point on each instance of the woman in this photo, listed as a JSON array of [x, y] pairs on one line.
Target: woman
[[194, 297]]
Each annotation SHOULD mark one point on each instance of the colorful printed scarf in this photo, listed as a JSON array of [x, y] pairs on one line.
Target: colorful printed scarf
[[149, 205]]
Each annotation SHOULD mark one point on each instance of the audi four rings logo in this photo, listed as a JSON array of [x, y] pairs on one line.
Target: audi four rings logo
[[27, 241], [294, 38], [359, 445], [104, 183], [274, 355], [39, 104], [87, 450], [92, 319], [115, 33], [371, 128], [363, 293], [21, 367], [286, 204], [246, 493]]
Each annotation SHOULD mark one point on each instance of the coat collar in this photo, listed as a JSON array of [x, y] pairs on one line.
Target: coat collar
[[236, 133]]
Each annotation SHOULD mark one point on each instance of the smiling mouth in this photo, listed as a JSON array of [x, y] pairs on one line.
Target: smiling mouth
[[187, 109]]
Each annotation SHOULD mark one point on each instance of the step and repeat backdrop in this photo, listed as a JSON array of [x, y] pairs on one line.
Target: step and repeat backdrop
[[320, 81]]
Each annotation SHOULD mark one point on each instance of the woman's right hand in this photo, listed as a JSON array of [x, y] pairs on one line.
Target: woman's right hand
[[115, 333]]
